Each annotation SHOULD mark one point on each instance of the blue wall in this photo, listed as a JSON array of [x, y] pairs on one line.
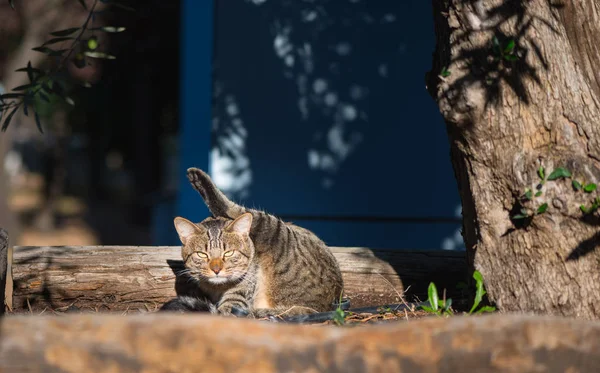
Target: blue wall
[[320, 115]]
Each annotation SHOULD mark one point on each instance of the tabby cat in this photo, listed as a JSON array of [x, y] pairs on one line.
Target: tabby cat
[[247, 260]]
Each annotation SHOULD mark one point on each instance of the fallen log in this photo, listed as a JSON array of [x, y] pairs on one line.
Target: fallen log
[[3, 268], [118, 278], [191, 343]]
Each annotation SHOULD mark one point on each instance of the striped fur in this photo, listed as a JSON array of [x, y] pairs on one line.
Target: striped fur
[[279, 268]]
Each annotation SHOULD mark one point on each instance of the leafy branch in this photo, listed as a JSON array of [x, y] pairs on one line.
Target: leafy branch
[[43, 84]]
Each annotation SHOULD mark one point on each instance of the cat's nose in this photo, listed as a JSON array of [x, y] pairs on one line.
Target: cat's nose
[[216, 266]]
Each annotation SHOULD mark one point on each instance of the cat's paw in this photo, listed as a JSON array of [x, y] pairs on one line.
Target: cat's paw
[[229, 310], [266, 314]]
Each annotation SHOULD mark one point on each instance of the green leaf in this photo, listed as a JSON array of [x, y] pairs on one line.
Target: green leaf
[[26, 69], [528, 194], [99, 55], [559, 173], [30, 72], [576, 185], [445, 73], [542, 209], [111, 29], [37, 121], [43, 96], [589, 187], [48, 51], [520, 216], [65, 32], [23, 87], [57, 40], [339, 316], [433, 296], [9, 118], [486, 309], [447, 304], [427, 309], [495, 41], [11, 95], [510, 46], [539, 193], [542, 172], [583, 209], [510, 57], [480, 292]]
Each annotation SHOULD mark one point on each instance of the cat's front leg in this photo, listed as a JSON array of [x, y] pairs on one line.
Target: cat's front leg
[[234, 302]]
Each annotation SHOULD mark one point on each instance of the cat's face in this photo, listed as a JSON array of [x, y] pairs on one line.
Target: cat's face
[[217, 250]]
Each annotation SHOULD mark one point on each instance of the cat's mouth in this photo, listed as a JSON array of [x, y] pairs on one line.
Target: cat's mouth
[[218, 279]]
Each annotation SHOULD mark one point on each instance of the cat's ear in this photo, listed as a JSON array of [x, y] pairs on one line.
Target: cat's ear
[[185, 229], [242, 224]]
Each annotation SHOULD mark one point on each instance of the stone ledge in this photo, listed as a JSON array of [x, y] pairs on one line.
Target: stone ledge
[[190, 343]]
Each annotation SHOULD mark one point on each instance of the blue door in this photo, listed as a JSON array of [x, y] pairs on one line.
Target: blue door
[[320, 115]]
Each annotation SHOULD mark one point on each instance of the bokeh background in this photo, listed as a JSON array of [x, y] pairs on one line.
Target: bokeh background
[[313, 110]]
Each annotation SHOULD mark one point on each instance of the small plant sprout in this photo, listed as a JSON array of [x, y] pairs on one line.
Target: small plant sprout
[[437, 306], [339, 316], [542, 173], [479, 293]]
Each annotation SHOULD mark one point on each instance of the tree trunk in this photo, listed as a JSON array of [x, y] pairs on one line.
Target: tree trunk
[[509, 111]]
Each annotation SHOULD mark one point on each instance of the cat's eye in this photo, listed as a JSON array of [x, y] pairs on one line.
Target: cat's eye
[[227, 254], [202, 255]]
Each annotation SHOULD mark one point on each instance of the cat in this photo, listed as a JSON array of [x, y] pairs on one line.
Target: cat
[[248, 261]]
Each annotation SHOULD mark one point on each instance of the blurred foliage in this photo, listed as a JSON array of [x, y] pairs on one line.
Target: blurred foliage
[[48, 88]]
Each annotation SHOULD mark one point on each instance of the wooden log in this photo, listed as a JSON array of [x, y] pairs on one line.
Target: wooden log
[[3, 268], [192, 343], [117, 278]]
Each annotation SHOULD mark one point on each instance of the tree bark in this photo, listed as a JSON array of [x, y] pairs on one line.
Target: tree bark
[[189, 343], [3, 268], [508, 116], [119, 278]]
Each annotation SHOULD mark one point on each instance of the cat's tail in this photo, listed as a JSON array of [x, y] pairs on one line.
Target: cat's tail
[[218, 204]]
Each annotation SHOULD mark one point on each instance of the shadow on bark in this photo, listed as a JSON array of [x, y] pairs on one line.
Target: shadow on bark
[[45, 293], [501, 60], [587, 246]]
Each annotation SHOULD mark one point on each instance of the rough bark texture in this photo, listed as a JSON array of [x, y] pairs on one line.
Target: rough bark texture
[[3, 267], [505, 118], [192, 343], [119, 277]]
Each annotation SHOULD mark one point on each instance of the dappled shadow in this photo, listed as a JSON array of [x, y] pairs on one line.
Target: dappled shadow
[[491, 56], [40, 262], [316, 56]]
